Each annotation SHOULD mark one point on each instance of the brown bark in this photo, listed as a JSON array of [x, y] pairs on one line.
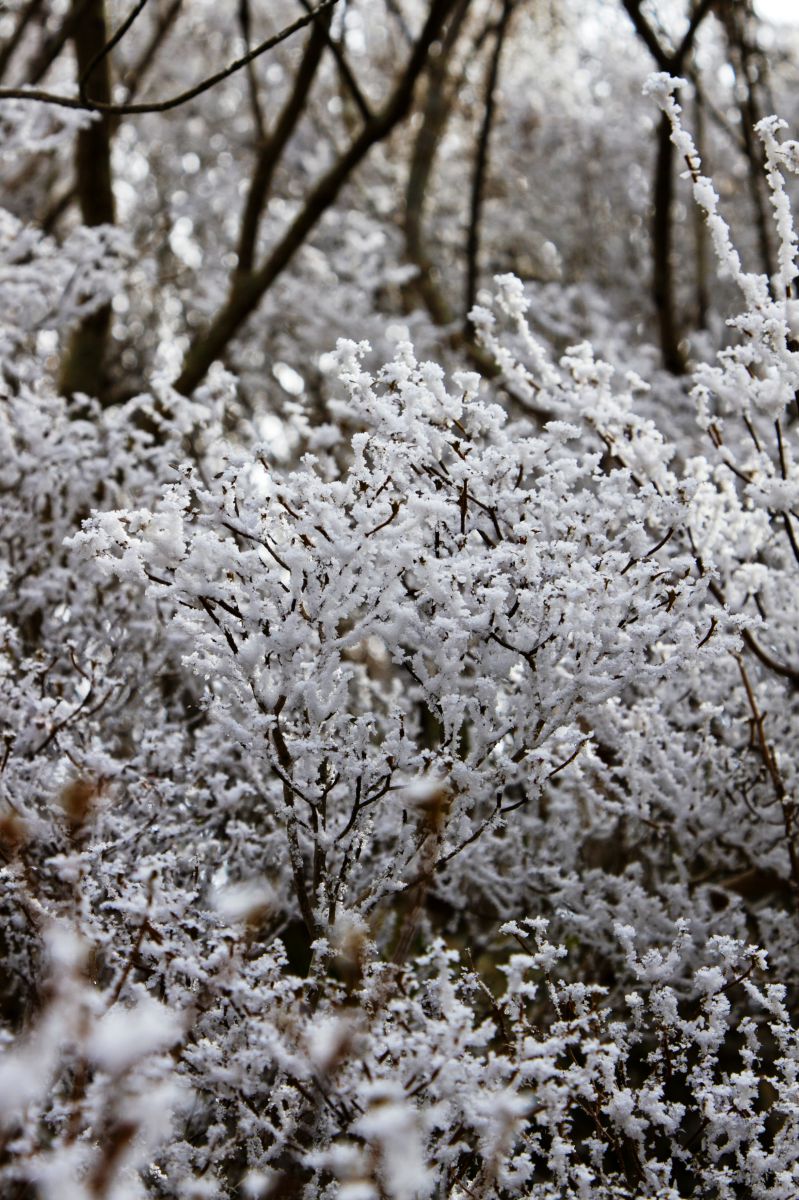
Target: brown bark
[[439, 100], [662, 247], [83, 367], [481, 165], [663, 283]]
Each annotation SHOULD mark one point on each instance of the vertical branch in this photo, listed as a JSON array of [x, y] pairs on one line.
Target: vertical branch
[[481, 164], [252, 79], [50, 49], [132, 81], [271, 150], [663, 289], [746, 70], [786, 802], [295, 852], [134, 77], [662, 239], [82, 369], [348, 80], [435, 114], [434, 813], [700, 229]]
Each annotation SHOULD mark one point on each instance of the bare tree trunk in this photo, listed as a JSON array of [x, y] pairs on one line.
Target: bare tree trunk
[[481, 166], [441, 93], [700, 228], [83, 367], [662, 265], [132, 82], [271, 151], [663, 290], [745, 65]]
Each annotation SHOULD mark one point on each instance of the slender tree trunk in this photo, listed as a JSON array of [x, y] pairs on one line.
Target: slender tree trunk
[[132, 82], [700, 228], [438, 104], [663, 290], [481, 166], [83, 367], [746, 69], [662, 239]]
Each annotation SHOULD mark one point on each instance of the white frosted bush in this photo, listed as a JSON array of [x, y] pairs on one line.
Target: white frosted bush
[[416, 818]]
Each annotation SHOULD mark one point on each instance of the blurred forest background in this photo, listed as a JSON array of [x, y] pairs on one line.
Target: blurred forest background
[[369, 173]]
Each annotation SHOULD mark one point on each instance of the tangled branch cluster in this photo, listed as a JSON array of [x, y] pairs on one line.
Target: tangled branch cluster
[[416, 821]]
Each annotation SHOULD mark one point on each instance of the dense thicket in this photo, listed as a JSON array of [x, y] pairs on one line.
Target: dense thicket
[[399, 637]]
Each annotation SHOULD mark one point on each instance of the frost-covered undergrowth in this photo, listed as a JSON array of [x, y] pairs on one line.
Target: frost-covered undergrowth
[[417, 820]]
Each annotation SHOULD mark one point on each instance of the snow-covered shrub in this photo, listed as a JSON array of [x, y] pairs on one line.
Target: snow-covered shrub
[[415, 818]]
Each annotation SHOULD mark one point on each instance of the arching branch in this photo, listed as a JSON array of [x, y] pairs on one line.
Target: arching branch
[[250, 290], [97, 104]]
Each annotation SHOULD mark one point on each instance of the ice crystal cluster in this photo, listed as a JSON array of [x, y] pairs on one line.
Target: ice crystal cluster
[[417, 818]]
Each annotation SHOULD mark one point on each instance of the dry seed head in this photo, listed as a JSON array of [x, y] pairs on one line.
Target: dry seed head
[[432, 799], [13, 832], [248, 902], [77, 800], [349, 940]]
